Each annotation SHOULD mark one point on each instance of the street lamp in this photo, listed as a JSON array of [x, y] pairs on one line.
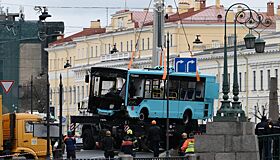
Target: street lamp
[[232, 111]]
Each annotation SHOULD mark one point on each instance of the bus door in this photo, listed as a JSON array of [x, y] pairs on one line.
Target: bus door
[[173, 99], [154, 97]]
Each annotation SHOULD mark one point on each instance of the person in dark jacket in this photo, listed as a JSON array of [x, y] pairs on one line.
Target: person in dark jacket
[[276, 130], [154, 137], [70, 143], [108, 145], [262, 128]]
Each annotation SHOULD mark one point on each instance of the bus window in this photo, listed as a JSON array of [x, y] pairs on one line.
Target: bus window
[[190, 91], [173, 89], [183, 90], [158, 86], [199, 92], [148, 86], [135, 88]]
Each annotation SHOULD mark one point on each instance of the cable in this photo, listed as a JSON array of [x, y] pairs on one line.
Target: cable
[[189, 47], [136, 45]]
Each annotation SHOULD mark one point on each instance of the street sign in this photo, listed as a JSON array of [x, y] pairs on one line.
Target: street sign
[[7, 85], [185, 65]]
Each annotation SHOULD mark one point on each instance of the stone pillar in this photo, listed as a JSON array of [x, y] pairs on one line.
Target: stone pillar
[[227, 141], [273, 100]]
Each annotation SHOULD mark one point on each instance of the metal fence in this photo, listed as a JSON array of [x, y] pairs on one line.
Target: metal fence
[[269, 147]]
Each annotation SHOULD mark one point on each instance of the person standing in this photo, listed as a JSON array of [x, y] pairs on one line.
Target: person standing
[[128, 143], [188, 146], [108, 145], [260, 130], [276, 142], [70, 143], [154, 137], [184, 138]]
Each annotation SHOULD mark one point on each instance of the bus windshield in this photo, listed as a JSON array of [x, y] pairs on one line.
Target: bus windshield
[[107, 91]]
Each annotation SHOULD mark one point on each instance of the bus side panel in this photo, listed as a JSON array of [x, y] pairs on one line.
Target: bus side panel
[[197, 109], [211, 90]]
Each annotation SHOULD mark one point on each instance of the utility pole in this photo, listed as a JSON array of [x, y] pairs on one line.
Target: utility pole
[[167, 100], [31, 94], [60, 117], [48, 118], [158, 31]]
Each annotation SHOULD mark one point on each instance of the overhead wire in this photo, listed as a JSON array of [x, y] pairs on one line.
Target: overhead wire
[[181, 22]]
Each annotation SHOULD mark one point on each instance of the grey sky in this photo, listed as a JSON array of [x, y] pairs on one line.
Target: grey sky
[[75, 19]]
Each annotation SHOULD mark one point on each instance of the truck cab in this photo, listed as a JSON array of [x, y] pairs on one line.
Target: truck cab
[[18, 136]]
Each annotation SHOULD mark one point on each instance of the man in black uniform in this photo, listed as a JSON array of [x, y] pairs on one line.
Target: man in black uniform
[[261, 129], [108, 145], [276, 141], [154, 137]]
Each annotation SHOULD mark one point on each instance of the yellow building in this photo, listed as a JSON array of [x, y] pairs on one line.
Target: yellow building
[[92, 46]]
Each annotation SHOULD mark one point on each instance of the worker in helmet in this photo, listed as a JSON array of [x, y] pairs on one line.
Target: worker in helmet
[[108, 145], [154, 137], [128, 143], [70, 143]]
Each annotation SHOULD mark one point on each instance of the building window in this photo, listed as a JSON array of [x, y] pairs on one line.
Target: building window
[[171, 40], [164, 41], [120, 22], [74, 94], [254, 80], [105, 48], [96, 51], [261, 72], [131, 45], [70, 95], [229, 82], [143, 44], [276, 75], [109, 48], [87, 91], [240, 80], [83, 52], [78, 94], [127, 46], [83, 92], [148, 42], [121, 46], [91, 51], [245, 81], [268, 79]]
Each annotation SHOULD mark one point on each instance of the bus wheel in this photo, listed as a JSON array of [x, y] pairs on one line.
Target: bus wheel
[[88, 141], [143, 114], [187, 117]]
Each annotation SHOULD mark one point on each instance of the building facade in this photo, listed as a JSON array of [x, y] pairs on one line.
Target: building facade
[[129, 33]]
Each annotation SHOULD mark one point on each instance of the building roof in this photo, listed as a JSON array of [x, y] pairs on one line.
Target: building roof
[[138, 17], [85, 32]]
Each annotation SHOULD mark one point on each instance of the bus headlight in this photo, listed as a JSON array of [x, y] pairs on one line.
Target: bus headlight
[[111, 106]]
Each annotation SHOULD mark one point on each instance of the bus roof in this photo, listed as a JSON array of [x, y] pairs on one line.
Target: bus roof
[[171, 73], [108, 72]]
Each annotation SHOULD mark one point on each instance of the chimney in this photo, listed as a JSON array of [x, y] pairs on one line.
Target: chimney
[[218, 3], [270, 8], [278, 10], [197, 5], [183, 7], [169, 9], [95, 24], [202, 4]]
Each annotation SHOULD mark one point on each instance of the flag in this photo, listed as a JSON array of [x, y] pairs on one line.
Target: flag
[[164, 66], [197, 75], [131, 60]]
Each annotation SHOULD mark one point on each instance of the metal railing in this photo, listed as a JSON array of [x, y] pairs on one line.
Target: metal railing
[[269, 147]]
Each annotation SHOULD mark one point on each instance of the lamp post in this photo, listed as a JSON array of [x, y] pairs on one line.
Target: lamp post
[[67, 66], [233, 111], [60, 116]]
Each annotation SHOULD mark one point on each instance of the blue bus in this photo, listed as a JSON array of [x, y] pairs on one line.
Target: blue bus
[[141, 93]]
